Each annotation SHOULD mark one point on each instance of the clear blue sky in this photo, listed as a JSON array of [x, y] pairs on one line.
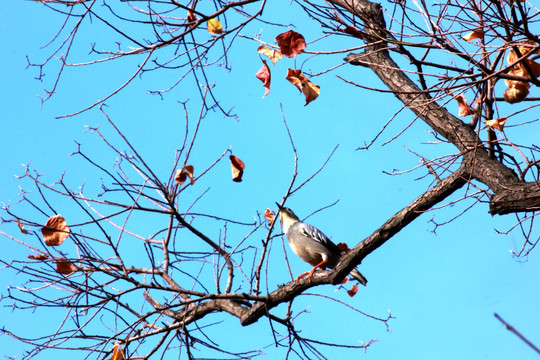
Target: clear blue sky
[[442, 288]]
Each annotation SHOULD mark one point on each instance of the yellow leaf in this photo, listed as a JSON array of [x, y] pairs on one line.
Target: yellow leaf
[[496, 123], [273, 54], [55, 230], [214, 26]]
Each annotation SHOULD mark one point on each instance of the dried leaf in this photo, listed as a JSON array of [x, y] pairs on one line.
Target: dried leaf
[[353, 290], [518, 92], [269, 215], [55, 230], [65, 267], [184, 173], [291, 43], [237, 167], [38, 256], [343, 248], [310, 90], [118, 353], [476, 34], [464, 109], [214, 26], [496, 123], [351, 30], [191, 16], [264, 75], [273, 54], [21, 227]]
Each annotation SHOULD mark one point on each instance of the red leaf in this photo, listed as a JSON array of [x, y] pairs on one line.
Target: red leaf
[[264, 75], [237, 167], [353, 290], [291, 43], [38, 256]]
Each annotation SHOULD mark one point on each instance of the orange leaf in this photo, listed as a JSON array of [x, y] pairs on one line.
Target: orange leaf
[[291, 43], [310, 90], [464, 109], [269, 215], [237, 167], [118, 353], [264, 75], [65, 267], [38, 256], [273, 54], [353, 290], [343, 248], [476, 34], [55, 230], [184, 173], [496, 123], [21, 227], [214, 26]]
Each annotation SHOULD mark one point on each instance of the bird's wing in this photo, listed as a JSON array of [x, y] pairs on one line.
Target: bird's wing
[[317, 235]]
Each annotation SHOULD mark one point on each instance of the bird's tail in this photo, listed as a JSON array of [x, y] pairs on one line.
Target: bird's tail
[[356, 274]]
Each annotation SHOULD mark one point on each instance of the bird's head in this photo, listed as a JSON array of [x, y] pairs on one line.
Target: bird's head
[[287, 217]]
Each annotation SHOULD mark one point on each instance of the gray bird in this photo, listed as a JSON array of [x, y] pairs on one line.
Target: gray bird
[[311, 245]]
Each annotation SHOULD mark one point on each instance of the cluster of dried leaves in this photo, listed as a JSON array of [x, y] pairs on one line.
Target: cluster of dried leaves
[[290, 44], [237, 168]]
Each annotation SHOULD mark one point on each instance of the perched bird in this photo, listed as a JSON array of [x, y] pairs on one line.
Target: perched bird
[[311, 245]]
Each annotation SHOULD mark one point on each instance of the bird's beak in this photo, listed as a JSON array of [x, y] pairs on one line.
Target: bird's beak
[[279, 206]]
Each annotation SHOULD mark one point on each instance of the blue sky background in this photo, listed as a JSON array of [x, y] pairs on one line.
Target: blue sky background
[[442, 288]]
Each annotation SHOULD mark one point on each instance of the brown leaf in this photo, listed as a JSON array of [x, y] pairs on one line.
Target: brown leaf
[[214, 26], [55, 230], [518, 92], [464, 109], [191, 16], [118, 353], [21, 227], [264, 75], [38, 256], [269, 215], [237, 167], [496, 123], [273, 54], [184, 173], [351, 30], [291, 43], [310, 90], [476, 34], [65, 267], [343, 248], [353, 290]]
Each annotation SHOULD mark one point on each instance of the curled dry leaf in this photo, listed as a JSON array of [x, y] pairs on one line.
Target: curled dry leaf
[[476, 34], [118, 353], [269, 215], [214, 26], [464, 109], [273, 54], [517, 92], [264, 75], [21, 227], [237, 167], [351, 30], [343, 248], [38, 256], [310, 90], [184, 173], [65, 267], [291, 43], [496, 123], [55, 230], [353, 290], [191, 16]]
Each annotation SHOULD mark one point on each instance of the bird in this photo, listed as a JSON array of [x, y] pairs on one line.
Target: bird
[[311, 244]]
